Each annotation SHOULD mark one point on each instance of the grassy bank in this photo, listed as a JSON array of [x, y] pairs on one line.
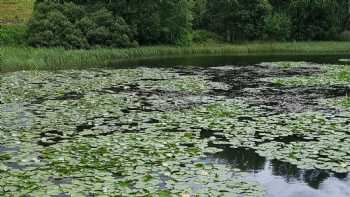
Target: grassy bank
[[21, 58], [13, 12]]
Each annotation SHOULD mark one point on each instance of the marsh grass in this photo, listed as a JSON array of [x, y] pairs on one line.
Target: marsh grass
[[12, 35], [13, 12], [26, 58]]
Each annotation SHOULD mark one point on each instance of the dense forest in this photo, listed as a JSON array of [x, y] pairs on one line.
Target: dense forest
[[127, 23]]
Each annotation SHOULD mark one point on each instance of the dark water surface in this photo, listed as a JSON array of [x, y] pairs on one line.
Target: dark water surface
[[205, 61], [282, 179]]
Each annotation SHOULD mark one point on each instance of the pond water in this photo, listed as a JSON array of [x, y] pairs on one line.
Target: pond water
[[225, 126], [209, 61], [282, 179]]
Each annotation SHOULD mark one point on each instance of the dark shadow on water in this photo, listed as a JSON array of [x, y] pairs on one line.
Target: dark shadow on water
[[313, 177], [244, 159], [291, 138], [274, 174], [70, 96], [208, 61], [6, 149]]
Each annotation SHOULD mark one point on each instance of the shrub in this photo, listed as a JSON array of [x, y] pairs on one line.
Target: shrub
[[238, 19], [277, 27], [70, 26], [12, 35], [344, 36], [108, 30], [55, 30], [148, 21], [315, 19], [203, 36], [185, 39]]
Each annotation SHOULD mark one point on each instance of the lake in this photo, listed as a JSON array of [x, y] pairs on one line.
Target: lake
[[275, 126]]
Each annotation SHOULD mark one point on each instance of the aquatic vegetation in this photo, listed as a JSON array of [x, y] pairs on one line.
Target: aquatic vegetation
[[346, 102], [99, 132], [289, 65], [331, 75], [344, 75], [152, 131]]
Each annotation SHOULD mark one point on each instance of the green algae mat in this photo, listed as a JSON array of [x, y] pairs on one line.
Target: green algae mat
[[175, 131]]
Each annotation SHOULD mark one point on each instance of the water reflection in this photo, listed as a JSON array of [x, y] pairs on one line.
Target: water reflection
[[6, 149], [244, 159], [281, 179], [285, 180], [314, 178]]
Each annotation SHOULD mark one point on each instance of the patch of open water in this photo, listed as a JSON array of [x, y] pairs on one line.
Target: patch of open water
[[209, 61], [279, 179]]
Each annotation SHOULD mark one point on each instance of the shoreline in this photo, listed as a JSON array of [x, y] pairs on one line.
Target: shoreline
[[26, 58]]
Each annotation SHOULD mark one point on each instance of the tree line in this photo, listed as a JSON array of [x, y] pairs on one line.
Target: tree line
[[127, 23]]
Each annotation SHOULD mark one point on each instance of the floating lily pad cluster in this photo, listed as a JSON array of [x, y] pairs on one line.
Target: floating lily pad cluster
[[346, 102], [139, 132], [331, 75], [87, 133]]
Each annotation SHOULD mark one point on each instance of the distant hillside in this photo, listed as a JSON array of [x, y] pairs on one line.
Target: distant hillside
[[15, 11]]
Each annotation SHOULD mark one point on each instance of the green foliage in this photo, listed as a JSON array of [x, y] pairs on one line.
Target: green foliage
[[344, 36], [315, 19], [158, 147], [203, 36], [346, 102], [199, 9], [12, 35], [330, 75], [344, 75], [150, 22], [176, 27], [167, 21], [121, 23], [108, 30], [26, 58], [71, 26], [185, 39], [238, 20], [277, 27]]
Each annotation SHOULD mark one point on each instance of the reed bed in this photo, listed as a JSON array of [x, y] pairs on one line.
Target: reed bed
[[26, 58]]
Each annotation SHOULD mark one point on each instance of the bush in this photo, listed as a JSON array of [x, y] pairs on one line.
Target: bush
[[251, 16], [203, 36], [277, 27], [237, 20], [108, 30], [344, 36], [54, 31], [315, 19], [70, 26], [185, 39], [12, 35], [149, 21]]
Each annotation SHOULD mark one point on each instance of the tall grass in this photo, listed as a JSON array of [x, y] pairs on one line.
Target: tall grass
[[13, 12], [24, 58], [12, 35]]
